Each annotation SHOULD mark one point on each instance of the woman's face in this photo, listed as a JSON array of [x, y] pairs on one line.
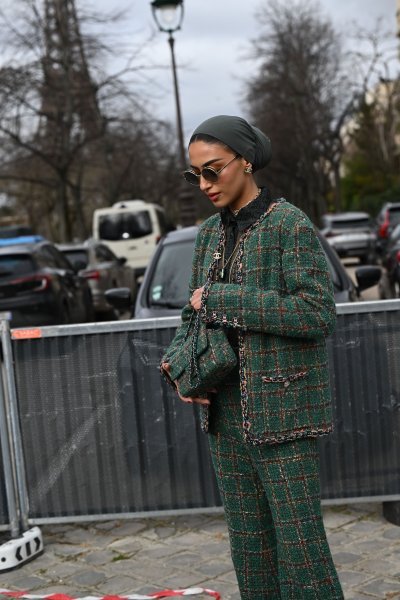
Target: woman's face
[[232, 182]]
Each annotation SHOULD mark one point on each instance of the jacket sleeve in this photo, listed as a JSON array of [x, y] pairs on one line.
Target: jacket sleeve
[[305, 306]]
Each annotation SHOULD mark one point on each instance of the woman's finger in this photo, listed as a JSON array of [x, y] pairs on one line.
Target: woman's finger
[[204, 401], [190, 400], [195, 299]]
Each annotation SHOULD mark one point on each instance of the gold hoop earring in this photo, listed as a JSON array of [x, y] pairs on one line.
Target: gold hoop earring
[[248, 169]]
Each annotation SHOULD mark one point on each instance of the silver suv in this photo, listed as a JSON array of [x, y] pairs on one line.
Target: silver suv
[[351, 234]]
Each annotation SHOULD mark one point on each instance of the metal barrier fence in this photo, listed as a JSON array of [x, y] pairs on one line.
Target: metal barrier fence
[[3, 500], [4, 520], [102, 435]]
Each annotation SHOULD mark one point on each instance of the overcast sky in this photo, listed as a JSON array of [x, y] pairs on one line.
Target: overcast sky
[[211, 46]]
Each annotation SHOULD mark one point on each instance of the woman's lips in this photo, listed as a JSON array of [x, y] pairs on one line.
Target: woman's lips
[[213, 197]]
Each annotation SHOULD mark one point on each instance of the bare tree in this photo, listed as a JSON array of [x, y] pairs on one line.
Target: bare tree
[[303, 93], [295, 96], [66, 137]]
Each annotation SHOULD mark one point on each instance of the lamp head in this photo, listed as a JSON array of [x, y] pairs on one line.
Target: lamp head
[[168, 14]]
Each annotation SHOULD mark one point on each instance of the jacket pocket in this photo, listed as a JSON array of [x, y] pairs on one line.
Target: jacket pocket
[[284, 397], [284, 380]]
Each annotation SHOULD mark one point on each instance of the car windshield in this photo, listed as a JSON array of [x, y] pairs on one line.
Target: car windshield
[[125, 226], [16, 264], [76, 257], [169, 285]]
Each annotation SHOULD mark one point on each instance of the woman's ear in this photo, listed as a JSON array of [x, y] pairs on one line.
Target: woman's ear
[[248, 168]]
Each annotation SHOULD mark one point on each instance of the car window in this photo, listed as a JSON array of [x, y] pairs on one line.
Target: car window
[[169, 283], [334, 265], [45, 258], [334, 273], [103, 254], [394, 215], [59, 260], [16, 264], [76, 256], [125, 226]]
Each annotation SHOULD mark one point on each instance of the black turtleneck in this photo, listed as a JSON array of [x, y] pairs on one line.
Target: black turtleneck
[[236, 225]]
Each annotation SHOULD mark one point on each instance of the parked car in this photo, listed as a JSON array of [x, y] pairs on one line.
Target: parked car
[[164, 290], [131, 228], [103, 270], [38, 286], [389, 286], [351, 234], [11, 231], [387, 219]]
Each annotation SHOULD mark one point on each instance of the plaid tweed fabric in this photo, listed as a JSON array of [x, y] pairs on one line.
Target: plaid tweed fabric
[[214, 358], [271, 496], [281, 302]]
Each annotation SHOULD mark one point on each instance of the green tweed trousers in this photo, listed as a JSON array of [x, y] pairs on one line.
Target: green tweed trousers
[[271, 496]]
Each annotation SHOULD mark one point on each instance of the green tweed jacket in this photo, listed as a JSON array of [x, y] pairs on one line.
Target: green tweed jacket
[[281, 301]]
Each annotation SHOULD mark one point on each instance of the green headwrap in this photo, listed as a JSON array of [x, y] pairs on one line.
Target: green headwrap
[[248, 141]]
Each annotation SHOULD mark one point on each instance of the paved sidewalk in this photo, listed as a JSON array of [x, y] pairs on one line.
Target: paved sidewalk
[[146, 555]]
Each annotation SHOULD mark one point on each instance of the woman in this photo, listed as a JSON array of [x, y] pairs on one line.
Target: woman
[[272, 293]]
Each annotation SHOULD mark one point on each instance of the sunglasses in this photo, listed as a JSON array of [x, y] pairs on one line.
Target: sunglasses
[[208, 173]]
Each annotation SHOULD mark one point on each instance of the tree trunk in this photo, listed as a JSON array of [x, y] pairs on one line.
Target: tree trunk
[[62, 212], [337, 188]]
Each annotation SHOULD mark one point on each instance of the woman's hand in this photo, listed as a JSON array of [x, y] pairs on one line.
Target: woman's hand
[[195, 299], [166, 367]]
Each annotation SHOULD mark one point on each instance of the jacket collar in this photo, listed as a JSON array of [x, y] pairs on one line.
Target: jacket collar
[[249, 214]]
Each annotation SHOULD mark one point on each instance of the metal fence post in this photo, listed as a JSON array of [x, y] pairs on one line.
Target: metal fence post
[[26, 543], [9, 479], [11, 411]]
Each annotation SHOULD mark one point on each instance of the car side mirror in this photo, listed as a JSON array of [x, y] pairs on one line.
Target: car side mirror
[[367, 277], [119, 298]]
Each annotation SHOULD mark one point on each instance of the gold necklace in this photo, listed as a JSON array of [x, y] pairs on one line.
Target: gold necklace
[[235, 212], [221, 271]]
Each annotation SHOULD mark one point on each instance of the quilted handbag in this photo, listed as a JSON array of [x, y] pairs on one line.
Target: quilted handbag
[[204, 358]]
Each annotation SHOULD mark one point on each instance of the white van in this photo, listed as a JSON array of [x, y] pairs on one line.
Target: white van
[[131, 228]]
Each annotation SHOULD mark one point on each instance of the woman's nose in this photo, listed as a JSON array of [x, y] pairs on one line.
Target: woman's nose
[[204, 184]]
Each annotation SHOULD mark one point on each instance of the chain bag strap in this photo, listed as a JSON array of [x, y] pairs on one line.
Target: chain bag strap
[[205, 356], [194, 367]]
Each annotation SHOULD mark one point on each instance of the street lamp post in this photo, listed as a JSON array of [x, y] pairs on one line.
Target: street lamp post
[[168, 15]]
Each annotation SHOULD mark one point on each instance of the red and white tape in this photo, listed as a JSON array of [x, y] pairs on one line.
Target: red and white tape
[[161, 594]]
